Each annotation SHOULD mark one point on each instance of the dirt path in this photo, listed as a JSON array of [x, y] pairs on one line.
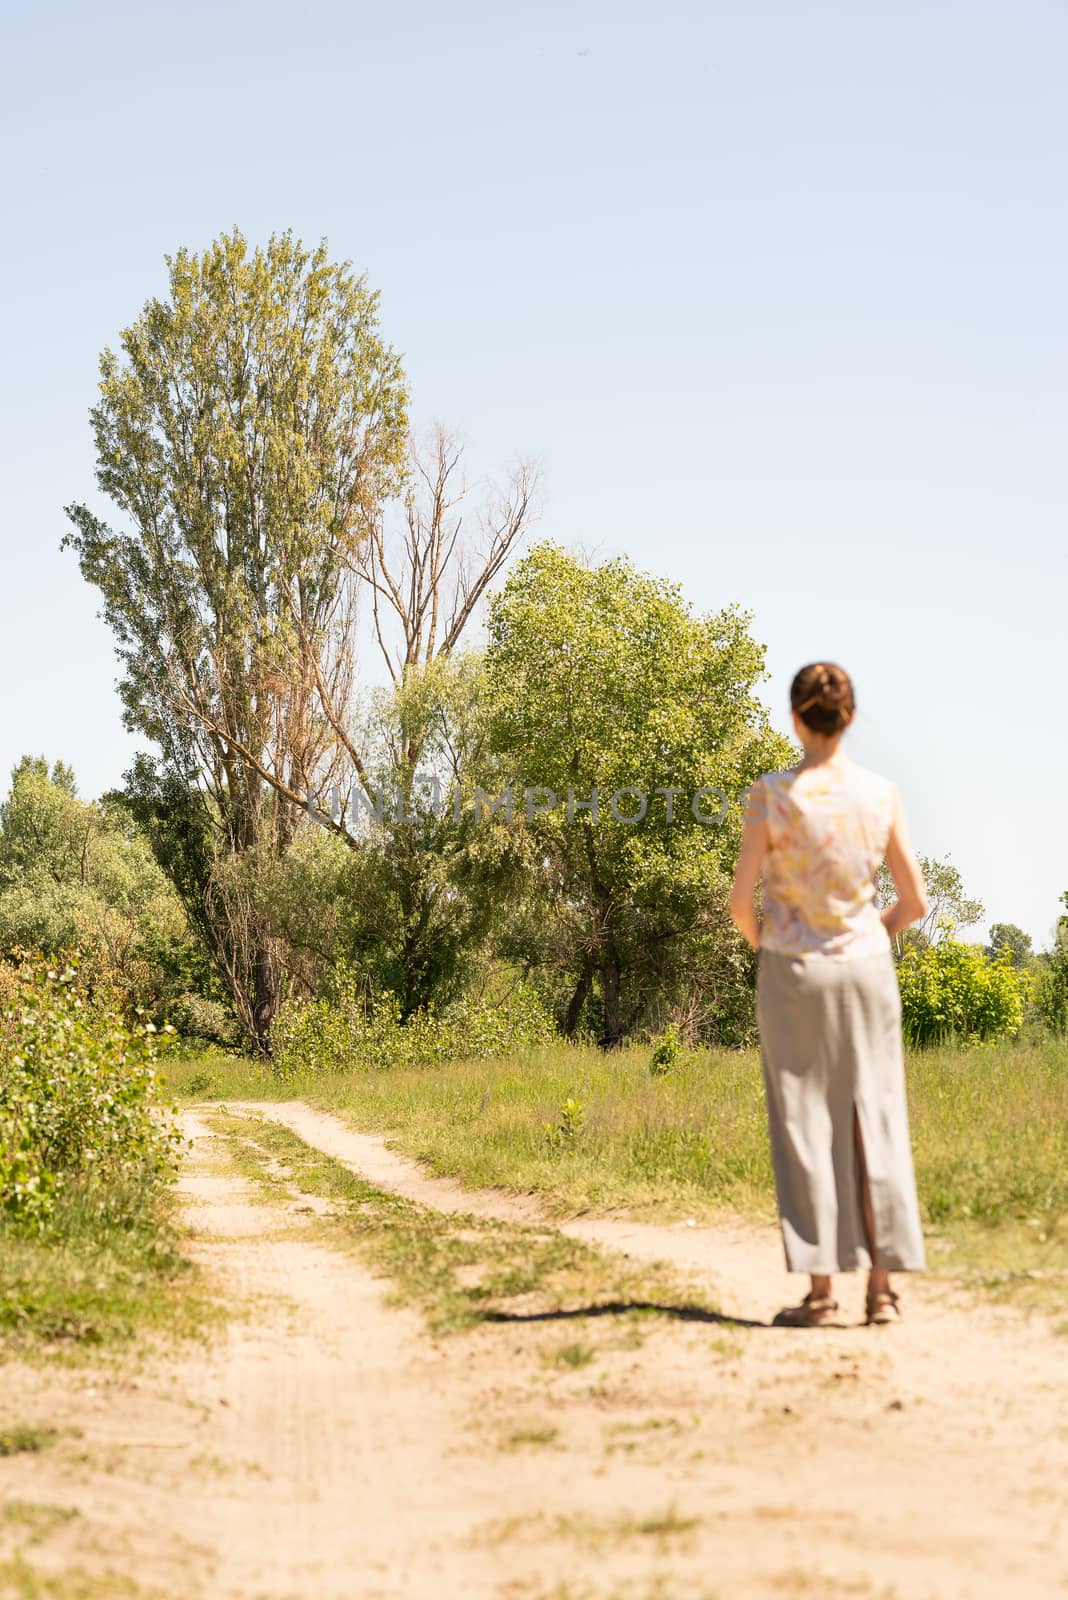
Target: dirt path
[[745, 1263], [324, 1447]]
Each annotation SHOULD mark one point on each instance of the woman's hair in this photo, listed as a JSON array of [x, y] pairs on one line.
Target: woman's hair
[[822, 696]]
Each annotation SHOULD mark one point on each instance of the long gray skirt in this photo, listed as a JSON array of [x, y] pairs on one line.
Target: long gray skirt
[[830, 1041]]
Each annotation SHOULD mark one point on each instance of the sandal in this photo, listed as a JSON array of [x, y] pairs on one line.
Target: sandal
[[811, 1313], [883, 1308]]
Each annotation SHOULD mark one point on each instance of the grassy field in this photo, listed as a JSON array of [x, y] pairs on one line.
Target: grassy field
[[587, 1130]]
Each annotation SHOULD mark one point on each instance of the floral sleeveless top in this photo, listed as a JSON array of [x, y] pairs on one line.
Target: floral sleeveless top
[[828, 829]]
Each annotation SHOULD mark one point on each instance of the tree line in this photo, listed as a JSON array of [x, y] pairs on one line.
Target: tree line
[[296, 585]]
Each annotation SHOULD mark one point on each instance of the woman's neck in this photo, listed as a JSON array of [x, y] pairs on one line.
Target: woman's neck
[[822, 753]]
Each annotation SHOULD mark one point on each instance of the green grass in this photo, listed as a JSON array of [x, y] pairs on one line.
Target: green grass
[[221, 1076], [643, 1142], [21, 1438], [593, 1532], [989, 1127], [460, 1271], [33, 1522], [538, 1438], [20, 1581], [105, 1268], [575, 1354]]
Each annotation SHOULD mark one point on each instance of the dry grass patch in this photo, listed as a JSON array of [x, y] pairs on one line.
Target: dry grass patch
[[590, 1531]]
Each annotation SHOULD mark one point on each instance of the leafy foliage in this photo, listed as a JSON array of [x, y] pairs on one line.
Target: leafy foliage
[[602, 677], [77, 1096], [1051, 984], [1007, 936], [80, 875], [566, 1131], [352, 1030], [424, 894], [1051, 991], [949, 907], [245, 433], [669, 1050], [952, 990]]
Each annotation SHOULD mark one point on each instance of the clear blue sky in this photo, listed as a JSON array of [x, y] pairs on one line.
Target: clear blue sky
[[776, 292]]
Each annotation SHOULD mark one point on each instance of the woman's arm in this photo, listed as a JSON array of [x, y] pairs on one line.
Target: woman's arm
[[911, 902], [750, 860]]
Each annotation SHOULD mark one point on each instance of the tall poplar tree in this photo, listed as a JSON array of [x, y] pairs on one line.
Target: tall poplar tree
[[247, 431]]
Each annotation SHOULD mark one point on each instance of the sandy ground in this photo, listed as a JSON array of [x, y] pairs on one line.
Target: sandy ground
[[324, 1447]]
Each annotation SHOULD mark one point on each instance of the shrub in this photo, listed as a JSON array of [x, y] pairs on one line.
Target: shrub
[[204, 1021], [668, 1051], [80, 874], [350, 1030], [1051, 990], [77, 1096], [27, 1189], [952, 990]]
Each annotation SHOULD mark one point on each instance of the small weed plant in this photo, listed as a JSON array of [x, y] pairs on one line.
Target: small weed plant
[[669, 1050], [565, 1133]]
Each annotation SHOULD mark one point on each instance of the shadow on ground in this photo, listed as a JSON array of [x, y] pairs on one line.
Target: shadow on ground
[[622, 1308]]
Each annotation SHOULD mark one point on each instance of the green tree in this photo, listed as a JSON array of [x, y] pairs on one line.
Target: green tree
[[949, 908], [1051, 986], [247, 433], [1007, 936], [425, 883], [603, 678], [401, 889], [77, 874]]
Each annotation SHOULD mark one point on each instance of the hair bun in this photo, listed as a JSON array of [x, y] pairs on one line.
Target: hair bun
[[822, 695]]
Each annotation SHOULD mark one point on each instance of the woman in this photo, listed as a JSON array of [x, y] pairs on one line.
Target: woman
[[828, 1007]]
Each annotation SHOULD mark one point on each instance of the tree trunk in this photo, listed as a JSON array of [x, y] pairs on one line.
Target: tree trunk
[[611, 982], [578, 999], [265, 1000]]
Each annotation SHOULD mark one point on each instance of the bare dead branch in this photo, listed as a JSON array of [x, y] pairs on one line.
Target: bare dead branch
[[432, 573]]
